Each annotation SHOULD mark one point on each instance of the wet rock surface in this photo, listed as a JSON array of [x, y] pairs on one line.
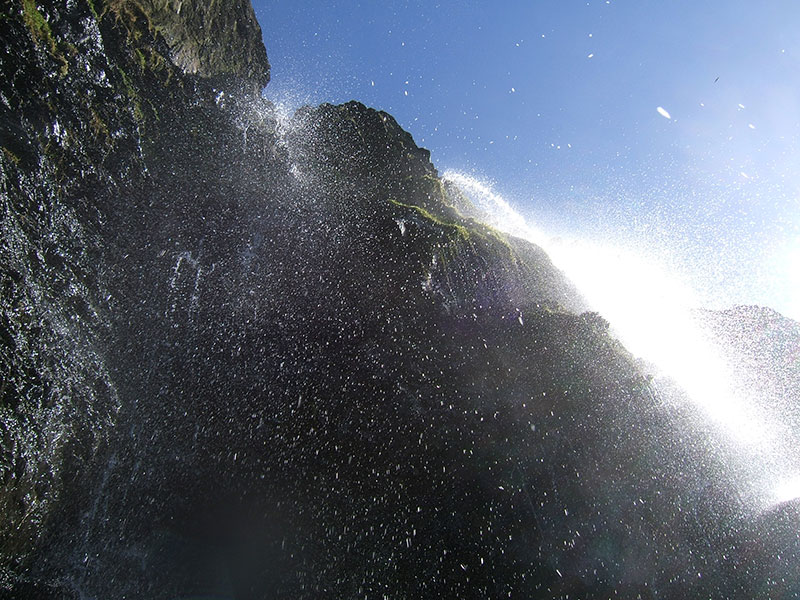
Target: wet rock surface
[[247, 355], [216, 40]]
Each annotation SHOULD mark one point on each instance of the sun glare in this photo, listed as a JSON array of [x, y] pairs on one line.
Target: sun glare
[[650, 310], [787, 490], [653, 313]]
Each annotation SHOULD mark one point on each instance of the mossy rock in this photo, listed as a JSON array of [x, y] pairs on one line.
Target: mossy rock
[[214, 40]]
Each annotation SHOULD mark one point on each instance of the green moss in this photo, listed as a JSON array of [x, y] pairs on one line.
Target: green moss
[[157, 62], [471, 230], [97, 124], [11, 156], [93, 9], [38, 25], [462, 231], [136, 100], [138, 114], [468, 229], [130, 91], [126, 81], [148, 59], [132, 17], [154, 110], [42, 33], [138, 56]]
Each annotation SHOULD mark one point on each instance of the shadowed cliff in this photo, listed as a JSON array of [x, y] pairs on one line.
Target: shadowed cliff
[[250, 355]]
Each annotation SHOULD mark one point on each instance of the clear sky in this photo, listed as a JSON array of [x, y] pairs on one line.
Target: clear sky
[[555, 103]]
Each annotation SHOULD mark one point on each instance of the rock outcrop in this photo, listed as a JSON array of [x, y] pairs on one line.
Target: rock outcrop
[[216, 39], [87, 99]]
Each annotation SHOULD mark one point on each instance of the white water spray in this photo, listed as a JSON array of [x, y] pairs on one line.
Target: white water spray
[[651, 311]]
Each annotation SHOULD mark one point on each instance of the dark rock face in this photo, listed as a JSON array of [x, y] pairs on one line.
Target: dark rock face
[[246, 356], [62, 142], [86, 93], [213, 39]]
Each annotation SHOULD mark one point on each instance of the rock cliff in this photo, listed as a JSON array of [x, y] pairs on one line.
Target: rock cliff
[[215, 40], [247, 355]]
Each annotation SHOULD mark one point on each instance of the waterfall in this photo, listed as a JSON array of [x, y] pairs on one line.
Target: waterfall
[[653, 313]]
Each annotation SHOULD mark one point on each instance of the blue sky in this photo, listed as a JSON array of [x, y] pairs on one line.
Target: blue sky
[[555, 103]]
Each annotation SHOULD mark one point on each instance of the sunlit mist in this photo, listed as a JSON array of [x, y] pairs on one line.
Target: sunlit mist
[[787, 490], [651, 311]]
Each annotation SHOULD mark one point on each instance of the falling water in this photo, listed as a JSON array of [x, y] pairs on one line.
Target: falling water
[[653, 313]]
